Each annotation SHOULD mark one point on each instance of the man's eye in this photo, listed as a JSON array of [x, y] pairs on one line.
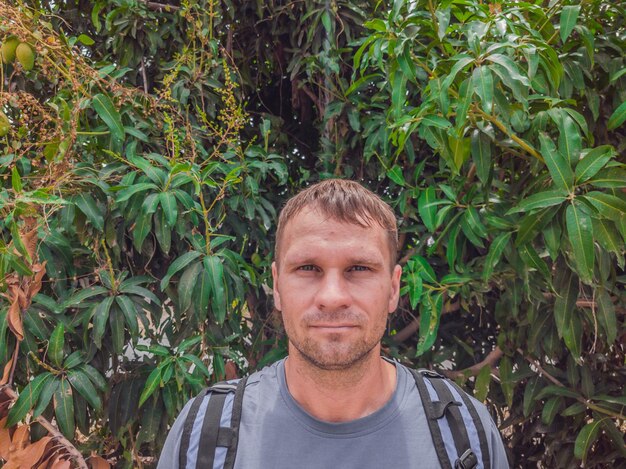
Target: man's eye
[[307, 268], [359, 268]]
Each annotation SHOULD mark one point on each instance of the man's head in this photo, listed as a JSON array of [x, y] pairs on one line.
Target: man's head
[[335, 278], [345, 201]]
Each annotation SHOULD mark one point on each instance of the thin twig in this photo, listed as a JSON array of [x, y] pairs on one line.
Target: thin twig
[[491, 359]]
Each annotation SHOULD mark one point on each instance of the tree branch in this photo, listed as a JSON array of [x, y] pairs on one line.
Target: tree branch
[[155, 6], [414, 325], [491, 359]]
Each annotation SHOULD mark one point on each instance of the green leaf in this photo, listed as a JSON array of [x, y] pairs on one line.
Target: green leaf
[[509, 65], [506, 378], [141, 292], [395, 174], [483, 380], [81, 383], [554, 390], [610, 206], [16, 180], [580, 232], [427, 208], [203, 294], [74, 359], [607, 236], [533, 387], [162, 231], [128, 192], [495, 252], [460, 148], [618, 117], [606, 314], [482, 82], [141, 229], [116, 322], [550, 409], [481, 154], [533, 223], [107, 112], [559, 167], [566, 286], [186, 285], [180, 263], [47, 391], [424, 269], [55, 346], [86, 40], [585, 439], [101, 316], [94, 375], [168, 204], [152, 384], [570, 143], [130, 313], [27, 398], [87, 204], [616, 436], [532, 259], [592, 162], [213, 265], [64, 409], [430, 314], [612, 178], [539, 200], [569, 17]]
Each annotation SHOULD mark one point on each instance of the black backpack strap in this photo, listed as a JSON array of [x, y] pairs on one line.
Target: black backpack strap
[[235, 420], [445, 404], [211, 425], [480, 429], [432, 417], [456, 424], [187, 428]]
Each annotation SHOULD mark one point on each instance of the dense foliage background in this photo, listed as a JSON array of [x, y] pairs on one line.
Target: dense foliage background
[[147, 148]]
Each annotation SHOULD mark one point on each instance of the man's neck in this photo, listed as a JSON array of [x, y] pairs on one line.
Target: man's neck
[[340, 395]]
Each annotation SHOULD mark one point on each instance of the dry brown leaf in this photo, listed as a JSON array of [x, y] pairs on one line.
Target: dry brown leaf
[[5, 439], [6, 373], [30, 242], [61, 464], [15, 319], [21, 438], [31, 454], [35, 285], [96, 462], [230, 370]]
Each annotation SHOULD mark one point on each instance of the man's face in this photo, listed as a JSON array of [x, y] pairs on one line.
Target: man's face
[[334, 286]]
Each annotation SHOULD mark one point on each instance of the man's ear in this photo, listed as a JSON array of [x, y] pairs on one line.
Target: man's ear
[[394, 297], [277, 303]]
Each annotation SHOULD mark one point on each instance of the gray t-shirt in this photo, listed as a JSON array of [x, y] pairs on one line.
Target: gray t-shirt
[[277, 433]]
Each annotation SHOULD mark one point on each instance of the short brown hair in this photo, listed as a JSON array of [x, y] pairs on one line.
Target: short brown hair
[[345, 201]]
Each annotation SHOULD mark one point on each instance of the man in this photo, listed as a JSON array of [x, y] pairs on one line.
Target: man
[[334, 402]]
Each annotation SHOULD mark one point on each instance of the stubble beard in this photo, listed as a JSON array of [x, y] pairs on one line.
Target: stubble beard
[[335, 353]]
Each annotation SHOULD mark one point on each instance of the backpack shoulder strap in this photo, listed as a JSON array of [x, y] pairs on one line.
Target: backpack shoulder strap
[[212, 427], [460, 427]]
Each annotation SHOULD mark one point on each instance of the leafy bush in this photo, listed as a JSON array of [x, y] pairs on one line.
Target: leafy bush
[[146, 152]]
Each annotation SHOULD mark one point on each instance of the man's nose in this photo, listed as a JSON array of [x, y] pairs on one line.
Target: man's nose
[[333, 293]]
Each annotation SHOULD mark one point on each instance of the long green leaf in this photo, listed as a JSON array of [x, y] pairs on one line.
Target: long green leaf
[[56, 343], [559, 167], [27, 398], [152, 384], [618, 117], [82, 295], [570, 143], [202, 294], [569, 17], [430, 314], [580, 232], [607, 236], [81, 383], [101, 317], [606, 314], [64, 409], [186, 285], [495, 252], [592, 162], [482, 82], [47, 391], [213, 265], [532, 223], [566, 286], [130, 313], [481, 154], [540, 200], [170, 209], [610, 206], [532, 259], [612, 178], [427, 208], [180, 263], [107, 112], [585, 439], [550, 409], [87, 204]]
